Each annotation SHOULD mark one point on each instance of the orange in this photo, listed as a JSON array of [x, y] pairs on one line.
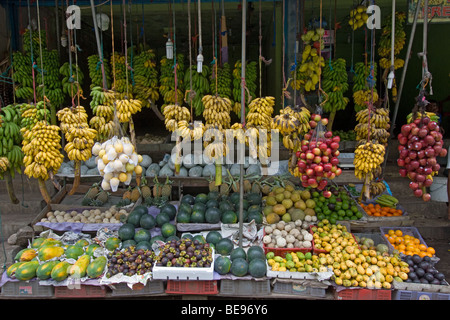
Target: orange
[[416, 240], [409, 253], [391, 232], [422, 247], [398, 240], [401, 247], [398, 233], [422, 254], [431, 250]]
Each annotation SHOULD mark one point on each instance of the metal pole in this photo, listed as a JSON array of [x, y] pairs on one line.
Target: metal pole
[[402, 82], [97, 37], [58, 34], [241, 176]]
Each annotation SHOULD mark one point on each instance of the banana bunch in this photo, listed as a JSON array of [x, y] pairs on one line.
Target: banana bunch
[[386, 63], [102, 105], [258, 146], [174, 113], [224, 79], [22, 75], [292, 119], [379, 125], [368, 159], [251, 77], [217, 111], [51, 81], [126, 108], [145, 77], [362, 82], [41, 147], [309, 68], [384, 45], [72, 79], [95, 71], [167, 80], [260, 112], [335, 84], [30, 114], [292, 139], [4, 166], [121, 70], [358, 17], [190, 131], [11, 139], [200, 85], [80, 141], [36, 41], [376, 187], [362, 97], [418, 115], [71, 117]]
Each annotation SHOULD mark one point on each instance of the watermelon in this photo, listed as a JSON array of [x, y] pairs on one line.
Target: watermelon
[[188, 199], [214, 195], [199, 238], [239, 267], [198, 216], [142, 235], [185, 207], [140, 209], [224, 246], [255, 252], [172, 238], [143, 245], [212, 204], [254, 199], [162, 218], [222, 265], [229, 217], [258, 217], [201, 198], [213, 237], [160, 238], [238, 253], [147, 221], [225, 206], [126, 231], [187, 236], [128, 243], [199, 206], [183, 217], [170, 210], [168, 230], [257, 268], [213, 215]]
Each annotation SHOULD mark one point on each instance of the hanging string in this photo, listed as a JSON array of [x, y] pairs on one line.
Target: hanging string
[[294, 67], [352, 70], [112, 44], [285, 84], [175, 65], [33, 64], [191, 93], [131, 46], [125, 45], [42, 60]]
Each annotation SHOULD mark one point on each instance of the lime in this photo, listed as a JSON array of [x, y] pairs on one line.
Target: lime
[[348, 213], [341, 212], [359, 215], [345, 205], [354, 208], [353, 218], [332, 220]]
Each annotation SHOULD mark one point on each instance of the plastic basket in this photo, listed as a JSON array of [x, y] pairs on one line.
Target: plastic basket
[[203, 287], [84, 291], [363, 294], [151, 287], [376, 237], [283, 251], [419, 295], [316, 250], [244, 287], [296, 289], [26, 289]]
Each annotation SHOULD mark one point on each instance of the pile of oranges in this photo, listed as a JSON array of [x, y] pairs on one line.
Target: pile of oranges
[[408, 244], [377, 210]]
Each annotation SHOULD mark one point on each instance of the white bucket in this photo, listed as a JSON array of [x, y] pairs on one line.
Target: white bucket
[[438, 189]]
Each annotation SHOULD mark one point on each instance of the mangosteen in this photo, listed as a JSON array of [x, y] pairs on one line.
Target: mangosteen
[[204, 253], [424, 281], [420, 272], [149, 259], [194, 264], [435, 281], [188, 243], [113, 259], [188, 261], [416, 258], [195, 242], [440, 276], [170, 255], [444, 283], [427, 259], [182, 247], [207, 264], [428, 276], [410, 262], [190, 249], [424, 265], [164, 260]]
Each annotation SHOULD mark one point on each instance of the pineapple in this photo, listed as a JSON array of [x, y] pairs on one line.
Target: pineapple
[[256, 187], [265, 188], [224, 189], [102, 197], [145, 189], [247, 186], [92, 192], [212, 186], [166, 190], [135, 194], [127, 194], [157, 188]]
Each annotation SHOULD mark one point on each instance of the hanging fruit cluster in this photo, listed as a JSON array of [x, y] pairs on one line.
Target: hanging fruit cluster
[[217, 112], [224, 79], [292, 123], [420, 142], [102, 105], [358, 17], [122, 75], [72, 79], [37, 39], [335, 84], [52, 83], [363, 82], [167, 79], [22, 75], [96, 73], [318, 155], [200, 85], [251, 76], [11, 140], [145, 77], [368, 159], [126, 108], [173, 114], [377, 121], [309, 69]]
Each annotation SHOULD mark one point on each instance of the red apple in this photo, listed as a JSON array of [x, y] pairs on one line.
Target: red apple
[[326, 194]]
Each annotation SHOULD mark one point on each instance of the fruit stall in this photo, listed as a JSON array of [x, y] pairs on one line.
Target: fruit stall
[[174, 159]]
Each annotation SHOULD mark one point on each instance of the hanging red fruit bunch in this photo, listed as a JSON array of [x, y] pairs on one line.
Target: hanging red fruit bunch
[[420, 143], [318, 157]]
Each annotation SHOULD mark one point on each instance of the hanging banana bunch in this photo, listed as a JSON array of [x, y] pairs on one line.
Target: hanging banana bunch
[[52, 82], [167, 83], [335, 84], [224, 79], [358, 17], [379, 125], [368, 159], [122, 76], [173, 114], [72, 81], [145, 78], [363, 81], [22, 75], [200, 85], [11, 139], [95, 71], [217, 112], [251, 77], [126, 108], [102, 105]]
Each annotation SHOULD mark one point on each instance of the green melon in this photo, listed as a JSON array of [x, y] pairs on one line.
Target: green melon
[[170, 209], [239, 267], [201, 198], [229, 217], [134, 218], [254, 209], [128, 243], [199, 238], [213, 215], [185, 207], [159, 237], [189, 199], [162, 218], [198, 217], [222, 265], [224, 246], [258, 217], [214, 195], [168, 230], [235, 197], [199, 206], [147, 221], [238, 253], [257, 268], [255, 252], [213, 237], [172, 238], [140, 209], [126, 231], [254, 199], [145, 245], [187, 236], [183, 217], [142, 235], [226, 206]]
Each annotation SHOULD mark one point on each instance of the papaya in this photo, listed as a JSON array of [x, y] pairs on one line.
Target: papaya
[[10, 272], [60, 271], [96, 267], [78, 269], [50, 242], [48, 253], [74, 251], [44, 271], [28, 255], [17, 257], [112, 243], [36, 243], [91, 248], [27, 270], [82, 243]]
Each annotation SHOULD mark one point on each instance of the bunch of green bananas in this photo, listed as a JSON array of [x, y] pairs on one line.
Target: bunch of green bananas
[[49, 61], [72, 79], [224, 80], [95, 71], [30, 114], [361, 86], [200, 86], [251, 77], [22, 75], [167, 80], [11, 138], [335, 84], [145, 77], [418, 115], [102, 105], [35, 41], [309, 68], [121, 79]]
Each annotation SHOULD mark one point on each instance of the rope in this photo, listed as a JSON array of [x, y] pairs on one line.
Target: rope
[[132, 47], [125, 44], [190, 60], [175, 65], [112, 44], [42, 60], [32, 53]]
